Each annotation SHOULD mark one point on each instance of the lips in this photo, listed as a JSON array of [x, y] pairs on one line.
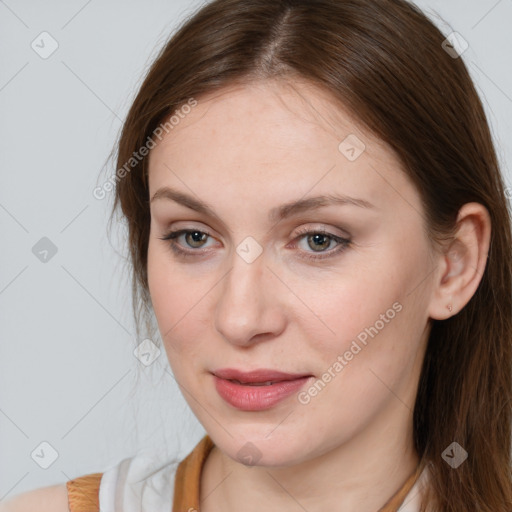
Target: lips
[[257, 390], [259, 377]]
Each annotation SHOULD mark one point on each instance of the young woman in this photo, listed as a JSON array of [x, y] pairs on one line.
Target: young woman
[[318, 222]]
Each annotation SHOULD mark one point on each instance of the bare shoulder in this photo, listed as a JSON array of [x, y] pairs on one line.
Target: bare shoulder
[[53, 498]]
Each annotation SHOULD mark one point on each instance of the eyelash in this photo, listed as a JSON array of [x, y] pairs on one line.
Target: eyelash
[[344, 243]]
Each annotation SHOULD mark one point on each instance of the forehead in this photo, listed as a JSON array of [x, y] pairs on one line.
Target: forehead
[[262, 110], [274, 135]]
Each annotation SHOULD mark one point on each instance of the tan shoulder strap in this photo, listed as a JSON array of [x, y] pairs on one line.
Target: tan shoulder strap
[[187, 481], [83, 493]]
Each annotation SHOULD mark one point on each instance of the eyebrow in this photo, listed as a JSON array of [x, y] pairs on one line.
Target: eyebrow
[[275, 215]]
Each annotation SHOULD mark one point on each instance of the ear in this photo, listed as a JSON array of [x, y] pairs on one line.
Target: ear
[[461, 264]]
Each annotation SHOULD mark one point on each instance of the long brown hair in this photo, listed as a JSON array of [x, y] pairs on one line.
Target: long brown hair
[[384, 61]]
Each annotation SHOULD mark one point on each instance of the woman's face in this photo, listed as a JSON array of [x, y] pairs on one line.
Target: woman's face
[[335, 290]]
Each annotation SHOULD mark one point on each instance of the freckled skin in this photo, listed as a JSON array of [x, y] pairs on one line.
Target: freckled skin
[[245, 152]]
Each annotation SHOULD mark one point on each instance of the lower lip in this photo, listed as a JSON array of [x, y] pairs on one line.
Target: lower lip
[[256, 398]]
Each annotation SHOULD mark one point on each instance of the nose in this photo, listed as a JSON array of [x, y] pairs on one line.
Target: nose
[[248, 309]]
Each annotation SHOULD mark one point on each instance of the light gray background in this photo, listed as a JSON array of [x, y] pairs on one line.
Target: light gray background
[[68, 375]]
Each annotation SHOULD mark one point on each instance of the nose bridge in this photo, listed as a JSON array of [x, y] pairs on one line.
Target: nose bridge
[[245, 307]]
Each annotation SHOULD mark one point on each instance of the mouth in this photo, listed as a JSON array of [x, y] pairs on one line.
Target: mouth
[[258, 389], [268, 383]]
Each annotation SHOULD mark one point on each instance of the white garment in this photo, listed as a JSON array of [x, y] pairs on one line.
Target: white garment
[[142, 484], [412, 501], [138, 484]]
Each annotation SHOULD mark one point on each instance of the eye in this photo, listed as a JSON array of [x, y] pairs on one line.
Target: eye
[[316, 239], [321, 239], [193, 237]]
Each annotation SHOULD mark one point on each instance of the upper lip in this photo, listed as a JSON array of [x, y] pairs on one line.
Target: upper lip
[[259, 375]]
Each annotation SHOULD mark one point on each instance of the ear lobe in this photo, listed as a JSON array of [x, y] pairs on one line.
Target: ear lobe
[[462, 264]]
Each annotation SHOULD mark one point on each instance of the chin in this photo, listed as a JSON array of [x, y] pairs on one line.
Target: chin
[[256, 450]]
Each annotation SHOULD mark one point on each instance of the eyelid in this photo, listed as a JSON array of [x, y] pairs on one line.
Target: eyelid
[[322, 229]]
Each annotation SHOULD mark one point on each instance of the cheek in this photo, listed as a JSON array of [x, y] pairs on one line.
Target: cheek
[[361, 370], [176, 297], [161, 289], [166, 291], [349, 308], [368, 317]]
